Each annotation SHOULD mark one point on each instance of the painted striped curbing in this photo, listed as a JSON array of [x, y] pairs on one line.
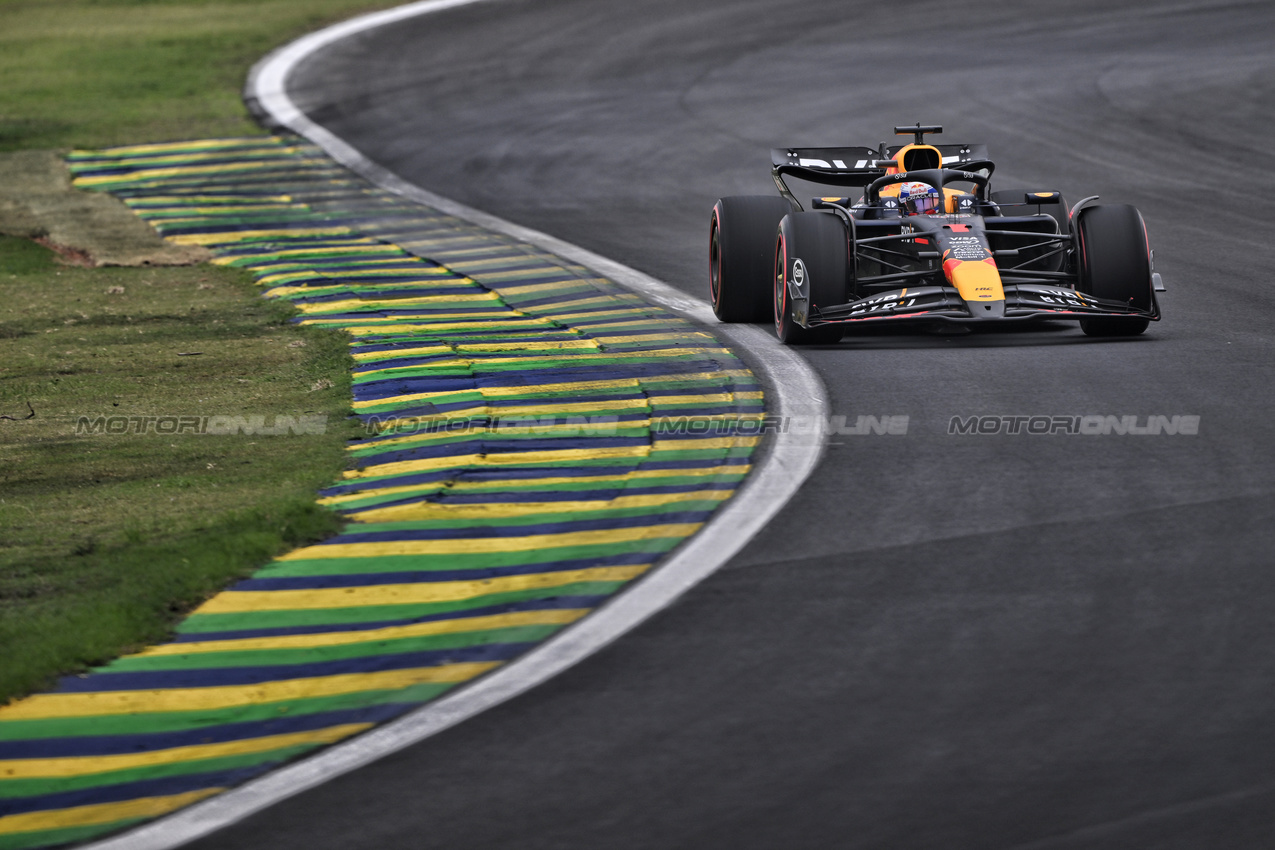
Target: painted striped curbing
[[524, 466]]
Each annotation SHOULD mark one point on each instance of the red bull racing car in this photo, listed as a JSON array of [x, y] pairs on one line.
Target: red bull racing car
[[926, 242]]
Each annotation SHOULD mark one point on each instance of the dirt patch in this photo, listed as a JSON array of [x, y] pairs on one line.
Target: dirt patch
[[66, 254], [37, 201]]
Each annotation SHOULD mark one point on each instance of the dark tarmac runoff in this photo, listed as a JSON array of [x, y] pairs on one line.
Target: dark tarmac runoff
[[1005, 640]]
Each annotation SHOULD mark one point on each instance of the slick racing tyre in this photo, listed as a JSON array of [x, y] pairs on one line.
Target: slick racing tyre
[[812, 264], [740, 241], [1115, 265]]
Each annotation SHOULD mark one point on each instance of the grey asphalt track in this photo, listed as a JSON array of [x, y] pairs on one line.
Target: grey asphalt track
[[999, 641]]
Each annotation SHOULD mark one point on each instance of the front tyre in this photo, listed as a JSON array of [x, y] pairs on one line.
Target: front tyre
[[811, 270], [740, 239], [1115, 265]]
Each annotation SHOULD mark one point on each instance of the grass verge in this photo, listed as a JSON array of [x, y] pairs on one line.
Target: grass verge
[[105, 539], [96, 73]]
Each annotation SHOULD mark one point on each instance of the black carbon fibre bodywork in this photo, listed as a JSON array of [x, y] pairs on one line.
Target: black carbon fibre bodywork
[[903, 265]]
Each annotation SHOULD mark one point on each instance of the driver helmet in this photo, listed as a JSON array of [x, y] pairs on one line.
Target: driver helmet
[[919, 199]]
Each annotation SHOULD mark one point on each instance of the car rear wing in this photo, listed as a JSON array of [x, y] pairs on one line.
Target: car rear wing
[[831, 166], [853, 166]]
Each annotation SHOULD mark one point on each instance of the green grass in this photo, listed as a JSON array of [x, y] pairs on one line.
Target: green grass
[[105, 539], [95, 73]]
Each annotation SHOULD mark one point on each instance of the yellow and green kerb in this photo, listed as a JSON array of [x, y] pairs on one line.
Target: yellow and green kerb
[[537, 438]]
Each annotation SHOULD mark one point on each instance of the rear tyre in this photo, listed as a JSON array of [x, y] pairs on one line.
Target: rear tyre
[[1115, 265], [812, 260], [741, 239]]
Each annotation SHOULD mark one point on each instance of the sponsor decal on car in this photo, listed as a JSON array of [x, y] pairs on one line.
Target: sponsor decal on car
[[883, 302], [964, 248]]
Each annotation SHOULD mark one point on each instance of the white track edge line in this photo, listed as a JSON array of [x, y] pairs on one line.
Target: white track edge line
[[795, 390]]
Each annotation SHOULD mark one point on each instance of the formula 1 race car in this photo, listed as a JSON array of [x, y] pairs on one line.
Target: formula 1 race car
[[915, 249]]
